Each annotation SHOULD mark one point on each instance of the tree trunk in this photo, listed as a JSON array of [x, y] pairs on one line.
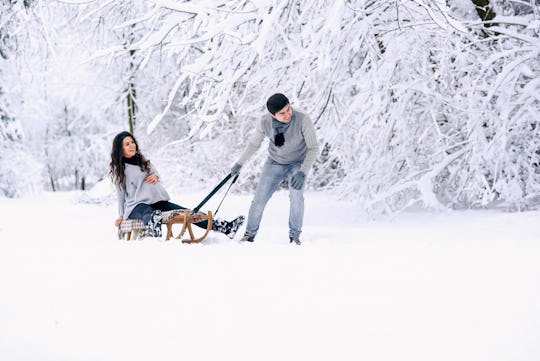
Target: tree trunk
[[131, 107], [485, 11], [52, 183], [131, 91]]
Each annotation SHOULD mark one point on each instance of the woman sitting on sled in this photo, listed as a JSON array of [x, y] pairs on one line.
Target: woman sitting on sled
[[141, 195]]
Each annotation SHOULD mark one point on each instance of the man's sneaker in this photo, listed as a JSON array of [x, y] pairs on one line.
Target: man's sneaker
[[295, 240], [247, 238], [153, 228]]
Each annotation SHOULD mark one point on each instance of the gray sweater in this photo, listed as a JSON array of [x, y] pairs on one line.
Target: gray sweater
[[137, 191], [300, 141]]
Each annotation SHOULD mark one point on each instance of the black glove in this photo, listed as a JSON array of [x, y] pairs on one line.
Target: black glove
[[297, 180], [235, 170]]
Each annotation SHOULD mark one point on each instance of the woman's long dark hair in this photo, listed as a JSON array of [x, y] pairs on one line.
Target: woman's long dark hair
[[117, 164]]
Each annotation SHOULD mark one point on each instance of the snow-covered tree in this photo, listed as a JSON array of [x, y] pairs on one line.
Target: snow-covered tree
[[415, 101], [17, 166], [64, 114], [399, 91]]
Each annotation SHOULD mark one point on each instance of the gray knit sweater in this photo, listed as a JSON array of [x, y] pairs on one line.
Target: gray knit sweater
[[300, 141], [137, 191]]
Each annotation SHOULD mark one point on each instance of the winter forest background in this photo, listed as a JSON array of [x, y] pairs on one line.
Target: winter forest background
[[431, 103]]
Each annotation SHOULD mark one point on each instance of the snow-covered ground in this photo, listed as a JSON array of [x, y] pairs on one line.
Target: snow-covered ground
[[463, 285]]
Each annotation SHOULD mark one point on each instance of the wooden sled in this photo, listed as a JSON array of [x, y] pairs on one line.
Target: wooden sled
[[132, 228], [187, 218]]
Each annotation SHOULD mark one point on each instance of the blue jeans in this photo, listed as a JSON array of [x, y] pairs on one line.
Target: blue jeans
[[272, 175]]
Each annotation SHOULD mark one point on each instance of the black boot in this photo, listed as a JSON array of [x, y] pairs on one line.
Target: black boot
[[228, 228], [153, 228], [234, 226]]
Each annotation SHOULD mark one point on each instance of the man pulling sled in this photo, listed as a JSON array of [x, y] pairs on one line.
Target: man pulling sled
[[292, 149]]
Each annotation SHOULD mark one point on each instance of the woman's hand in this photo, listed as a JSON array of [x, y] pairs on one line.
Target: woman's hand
[[152, 179], [118, 221]]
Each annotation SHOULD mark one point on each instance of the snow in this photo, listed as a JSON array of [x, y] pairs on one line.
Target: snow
[[407, 113], [460, 285]]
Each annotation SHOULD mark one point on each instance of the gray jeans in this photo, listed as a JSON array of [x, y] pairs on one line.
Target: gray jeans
[[272, 175]]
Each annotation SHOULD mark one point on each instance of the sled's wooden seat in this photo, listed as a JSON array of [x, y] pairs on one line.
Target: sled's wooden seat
[[133, 228]]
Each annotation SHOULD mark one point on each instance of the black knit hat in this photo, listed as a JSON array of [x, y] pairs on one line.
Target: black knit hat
[[276, 102]]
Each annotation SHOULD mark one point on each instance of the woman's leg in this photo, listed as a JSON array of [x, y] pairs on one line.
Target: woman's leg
[[151, 218], [142, 211], [218, 225], [169, 206], [166, 206]]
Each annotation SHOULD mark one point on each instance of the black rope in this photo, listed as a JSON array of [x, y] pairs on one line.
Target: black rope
[[214, 191], [225, 195]]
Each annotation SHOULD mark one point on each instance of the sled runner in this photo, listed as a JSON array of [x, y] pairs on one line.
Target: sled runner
[[133, 228], [187, 219]]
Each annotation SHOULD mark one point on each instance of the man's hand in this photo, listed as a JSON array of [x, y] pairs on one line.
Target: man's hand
[[297, 180], [235, 170], [118, 221]]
